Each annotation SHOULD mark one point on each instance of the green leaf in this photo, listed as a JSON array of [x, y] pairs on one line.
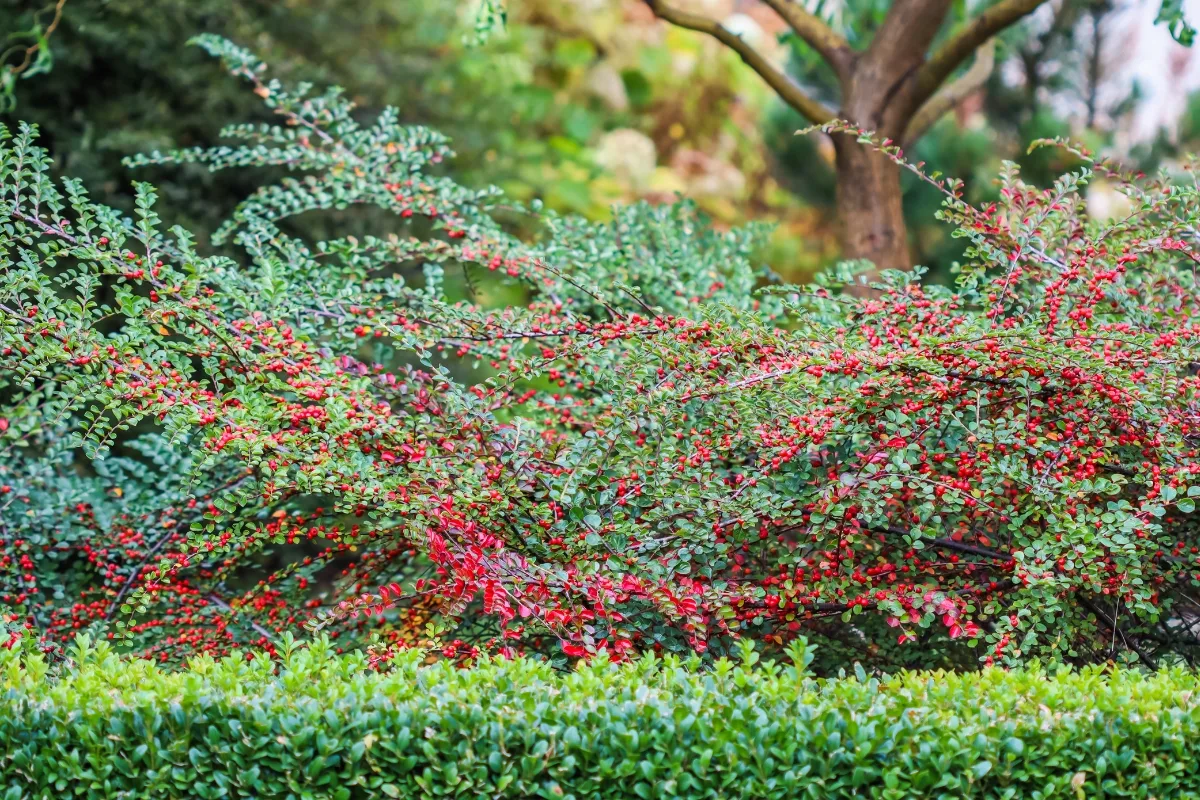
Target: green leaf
[[1171, 14]]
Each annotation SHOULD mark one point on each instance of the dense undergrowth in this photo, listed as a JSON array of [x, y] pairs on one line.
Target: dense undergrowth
[[615, 438]]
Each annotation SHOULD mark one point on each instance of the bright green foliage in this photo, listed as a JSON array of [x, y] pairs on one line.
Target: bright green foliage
[[315, 725], [1172, 14]]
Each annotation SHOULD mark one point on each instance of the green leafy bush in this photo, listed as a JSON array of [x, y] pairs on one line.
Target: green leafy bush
[[315, 725], [603, 440]]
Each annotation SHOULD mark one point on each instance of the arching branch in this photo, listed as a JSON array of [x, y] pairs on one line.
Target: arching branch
[[967, 40], [952, 93], [787, 89], [831, 45]]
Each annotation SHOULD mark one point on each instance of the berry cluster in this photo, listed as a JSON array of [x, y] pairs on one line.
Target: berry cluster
[[608, 440]]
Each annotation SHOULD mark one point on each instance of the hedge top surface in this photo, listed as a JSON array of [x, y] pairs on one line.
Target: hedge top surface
[[315, 724]]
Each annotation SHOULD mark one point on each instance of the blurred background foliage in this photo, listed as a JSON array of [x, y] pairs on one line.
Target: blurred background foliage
[[580, 103]]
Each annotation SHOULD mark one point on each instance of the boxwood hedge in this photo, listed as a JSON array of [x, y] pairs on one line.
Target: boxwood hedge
[[314, 724]]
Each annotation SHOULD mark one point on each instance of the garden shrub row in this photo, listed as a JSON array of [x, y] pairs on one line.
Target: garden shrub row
[[314, 724]]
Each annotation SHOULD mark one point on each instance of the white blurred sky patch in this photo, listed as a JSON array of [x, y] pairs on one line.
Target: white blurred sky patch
[[1135, 51]]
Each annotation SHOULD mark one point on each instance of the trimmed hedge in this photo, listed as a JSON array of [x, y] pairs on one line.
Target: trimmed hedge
[[318, 725]]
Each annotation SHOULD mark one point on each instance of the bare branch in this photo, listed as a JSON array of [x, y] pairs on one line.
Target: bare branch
[[27, 59], [1113, 625], [216, 600], [967, 40], [952, 93], [946, 543], [831, 45], [787, 89]]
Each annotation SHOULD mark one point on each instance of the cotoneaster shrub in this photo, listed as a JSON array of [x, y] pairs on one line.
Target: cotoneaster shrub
[[606, 440], [315, 725]]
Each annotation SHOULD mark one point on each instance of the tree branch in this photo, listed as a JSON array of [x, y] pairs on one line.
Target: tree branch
[[787, 89], [1113, 626], [816, 34], [216, 600], [880, 92], [952, 93], [953, 53], [946, 543]]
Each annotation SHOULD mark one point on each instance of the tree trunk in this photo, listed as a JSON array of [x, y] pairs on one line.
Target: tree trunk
[[869, 206], [881, 93]]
